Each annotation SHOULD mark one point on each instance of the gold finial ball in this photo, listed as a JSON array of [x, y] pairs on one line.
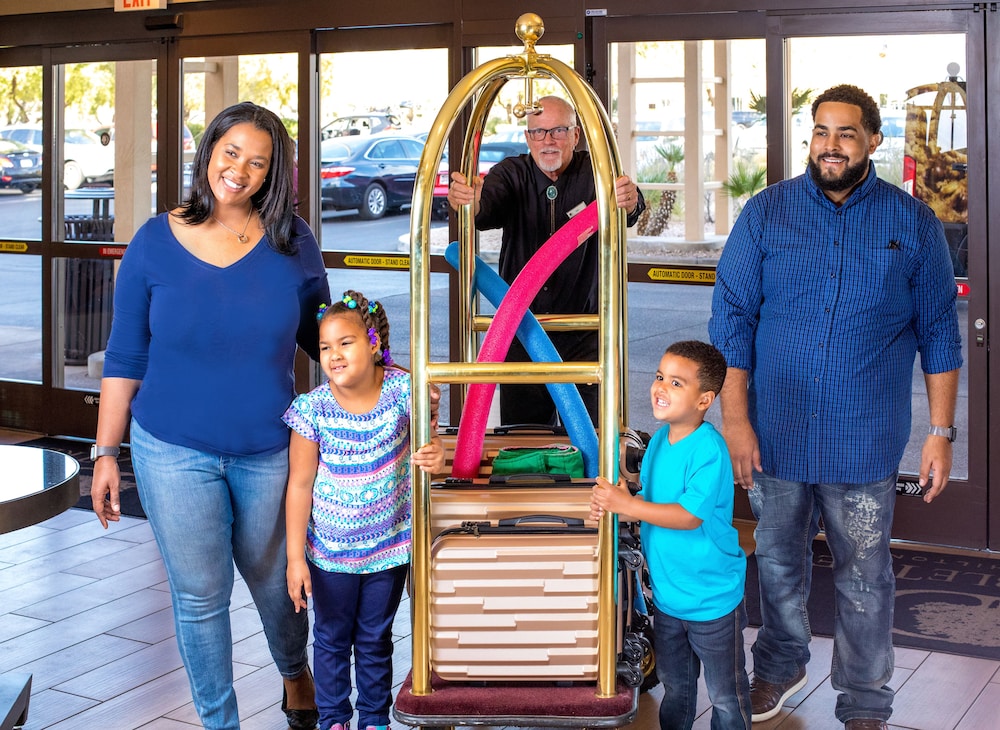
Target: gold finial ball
[[519, 111], [529, 28]]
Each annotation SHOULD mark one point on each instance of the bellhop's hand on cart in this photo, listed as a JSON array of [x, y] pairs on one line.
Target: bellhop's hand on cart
[[461, 193]]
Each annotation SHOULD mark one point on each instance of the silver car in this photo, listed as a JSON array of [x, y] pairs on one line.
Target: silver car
[[86, 159]]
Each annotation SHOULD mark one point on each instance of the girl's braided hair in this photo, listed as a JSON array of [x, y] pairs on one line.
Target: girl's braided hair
[[372, 315]]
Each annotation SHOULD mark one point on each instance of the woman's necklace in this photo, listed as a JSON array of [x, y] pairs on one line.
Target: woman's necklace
[[241, 237]]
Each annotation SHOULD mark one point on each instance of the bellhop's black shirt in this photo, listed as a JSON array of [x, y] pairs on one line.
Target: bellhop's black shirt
[[514, 198]]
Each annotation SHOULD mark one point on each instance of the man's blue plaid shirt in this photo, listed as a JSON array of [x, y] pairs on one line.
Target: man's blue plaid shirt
[[826, 307]]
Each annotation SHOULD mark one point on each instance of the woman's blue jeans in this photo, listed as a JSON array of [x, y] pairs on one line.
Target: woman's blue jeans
[[682, 648], [206, 513], [857, 519]]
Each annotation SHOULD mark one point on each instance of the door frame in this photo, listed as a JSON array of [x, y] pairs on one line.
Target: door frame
[[959, 517], [44, 407]]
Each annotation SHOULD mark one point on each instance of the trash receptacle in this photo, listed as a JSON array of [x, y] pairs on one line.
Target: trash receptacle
[[89, 306], [89, 228]]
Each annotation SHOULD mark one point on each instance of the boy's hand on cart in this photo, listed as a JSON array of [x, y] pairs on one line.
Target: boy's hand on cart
[[299, 583], [608, 497]]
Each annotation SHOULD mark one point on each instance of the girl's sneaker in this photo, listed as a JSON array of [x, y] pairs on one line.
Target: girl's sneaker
[[339, 726], [378, 727]]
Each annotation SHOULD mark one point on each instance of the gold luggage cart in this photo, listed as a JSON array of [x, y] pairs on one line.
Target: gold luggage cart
[[425, 699]]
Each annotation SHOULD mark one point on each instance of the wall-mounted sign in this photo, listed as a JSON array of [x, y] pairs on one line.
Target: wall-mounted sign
[[121, 5]]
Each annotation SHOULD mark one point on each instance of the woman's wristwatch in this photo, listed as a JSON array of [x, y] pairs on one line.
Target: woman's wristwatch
[[96, 452]]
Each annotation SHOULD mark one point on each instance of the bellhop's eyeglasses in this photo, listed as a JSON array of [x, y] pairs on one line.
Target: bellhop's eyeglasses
[[557, 133]]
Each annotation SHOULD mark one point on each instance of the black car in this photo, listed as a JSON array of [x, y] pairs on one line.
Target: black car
[[20, 166], [373, 174]]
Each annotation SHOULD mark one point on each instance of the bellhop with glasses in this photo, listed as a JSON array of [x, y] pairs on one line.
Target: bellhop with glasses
[[557, 133]]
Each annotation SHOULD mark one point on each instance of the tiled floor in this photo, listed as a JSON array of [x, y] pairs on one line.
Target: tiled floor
[[87, 613]]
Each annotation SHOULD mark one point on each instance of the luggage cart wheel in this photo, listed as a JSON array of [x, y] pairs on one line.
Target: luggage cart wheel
[[630, 674]]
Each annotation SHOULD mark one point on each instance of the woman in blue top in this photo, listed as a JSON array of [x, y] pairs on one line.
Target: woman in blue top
[[210, 302]]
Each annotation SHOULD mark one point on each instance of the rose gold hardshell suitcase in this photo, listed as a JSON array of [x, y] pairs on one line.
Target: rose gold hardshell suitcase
[[515, 600], [457, 501]]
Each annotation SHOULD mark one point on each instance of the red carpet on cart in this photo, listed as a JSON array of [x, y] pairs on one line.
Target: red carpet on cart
[[514, 703]]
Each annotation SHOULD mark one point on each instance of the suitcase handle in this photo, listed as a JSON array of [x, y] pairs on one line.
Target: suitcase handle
[[509, 428], [532, 519], [531, 480]]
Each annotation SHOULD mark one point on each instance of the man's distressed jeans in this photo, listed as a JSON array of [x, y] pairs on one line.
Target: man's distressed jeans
[[857, 519]]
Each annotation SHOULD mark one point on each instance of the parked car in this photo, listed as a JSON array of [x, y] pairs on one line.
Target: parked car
[[20, 166], [373, 174], [490, 153], [359, 124], [85, 158], [188, 148]]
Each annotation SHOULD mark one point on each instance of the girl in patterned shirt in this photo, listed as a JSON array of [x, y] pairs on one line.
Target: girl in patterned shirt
[[348, 508]]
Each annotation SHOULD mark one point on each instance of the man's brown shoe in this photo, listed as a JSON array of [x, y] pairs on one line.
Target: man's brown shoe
[[767, 698], [866, 725]]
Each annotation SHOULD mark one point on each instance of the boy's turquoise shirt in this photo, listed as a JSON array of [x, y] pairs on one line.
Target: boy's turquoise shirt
[[696, 575]]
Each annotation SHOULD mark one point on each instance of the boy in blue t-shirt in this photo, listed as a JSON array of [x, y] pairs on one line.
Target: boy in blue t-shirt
[[696, 566]]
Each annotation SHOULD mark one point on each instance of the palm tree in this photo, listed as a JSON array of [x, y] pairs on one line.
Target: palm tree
[[800, 97], [744, 181], [654, 220]]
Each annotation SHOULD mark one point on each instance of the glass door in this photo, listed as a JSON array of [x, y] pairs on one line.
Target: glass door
[[379, 93], [704, 123], [688, 110], [21, 195], [931, 99], [83, 185]]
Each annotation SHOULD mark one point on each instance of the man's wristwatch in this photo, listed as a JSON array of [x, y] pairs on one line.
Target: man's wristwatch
[[96, 452], [949, 432]]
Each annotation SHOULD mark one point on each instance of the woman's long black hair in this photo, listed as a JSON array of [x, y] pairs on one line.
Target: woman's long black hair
[[275, 201]]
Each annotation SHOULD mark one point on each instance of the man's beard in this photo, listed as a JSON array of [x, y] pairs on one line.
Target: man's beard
[[549, 166], [850, 177]]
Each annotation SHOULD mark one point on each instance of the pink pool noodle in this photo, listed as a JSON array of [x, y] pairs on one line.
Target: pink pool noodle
[[499, 335]]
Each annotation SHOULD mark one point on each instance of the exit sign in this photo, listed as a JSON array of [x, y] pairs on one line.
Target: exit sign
[[121, 5]]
